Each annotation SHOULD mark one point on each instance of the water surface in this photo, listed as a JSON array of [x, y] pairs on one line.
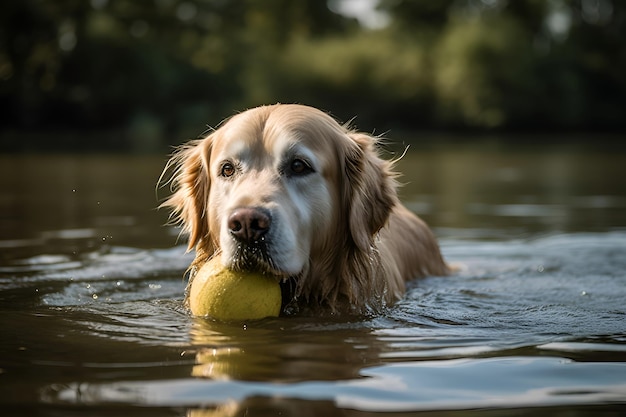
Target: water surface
[[533, 324]]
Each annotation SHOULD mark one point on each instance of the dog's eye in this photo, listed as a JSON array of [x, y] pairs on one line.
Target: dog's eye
[[300, 167], [227, 170]]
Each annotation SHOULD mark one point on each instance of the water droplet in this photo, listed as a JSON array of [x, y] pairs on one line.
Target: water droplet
[[94, 296]]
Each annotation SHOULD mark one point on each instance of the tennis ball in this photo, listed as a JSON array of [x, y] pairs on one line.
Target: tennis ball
[[224, 294]]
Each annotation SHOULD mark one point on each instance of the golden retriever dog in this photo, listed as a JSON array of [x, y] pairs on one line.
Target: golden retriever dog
[[286, 190]]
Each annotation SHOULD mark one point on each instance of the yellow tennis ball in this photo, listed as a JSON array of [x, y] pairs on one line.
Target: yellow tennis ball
[[225, 294]]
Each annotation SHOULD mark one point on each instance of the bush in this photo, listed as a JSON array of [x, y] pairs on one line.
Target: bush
[[483, 73], [369, 74]]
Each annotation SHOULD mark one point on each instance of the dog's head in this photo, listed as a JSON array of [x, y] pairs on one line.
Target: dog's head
[[286, 190]]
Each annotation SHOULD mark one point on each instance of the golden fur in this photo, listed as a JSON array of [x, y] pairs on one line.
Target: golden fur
[[339, 237]]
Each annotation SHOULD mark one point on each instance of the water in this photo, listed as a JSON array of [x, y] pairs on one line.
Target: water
[[534, 323]]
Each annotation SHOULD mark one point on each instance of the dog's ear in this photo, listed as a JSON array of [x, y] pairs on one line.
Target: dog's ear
[[370, 189], [190, 183]]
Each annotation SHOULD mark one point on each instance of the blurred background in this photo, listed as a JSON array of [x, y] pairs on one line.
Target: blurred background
[[127, 75]]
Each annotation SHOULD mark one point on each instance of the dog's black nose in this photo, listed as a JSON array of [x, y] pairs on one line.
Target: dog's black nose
[[249, 224]]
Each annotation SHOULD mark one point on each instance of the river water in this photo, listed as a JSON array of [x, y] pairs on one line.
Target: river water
[[534, 323]]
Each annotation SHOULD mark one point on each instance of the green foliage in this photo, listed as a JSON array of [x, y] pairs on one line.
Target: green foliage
[[165, 68], [484, 72], [367, 75]]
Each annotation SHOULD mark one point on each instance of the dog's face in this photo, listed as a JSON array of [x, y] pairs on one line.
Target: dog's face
[[271, 193], [283, 189]]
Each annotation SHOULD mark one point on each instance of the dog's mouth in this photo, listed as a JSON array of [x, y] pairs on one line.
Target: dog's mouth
[[289, 294], [255, 257]]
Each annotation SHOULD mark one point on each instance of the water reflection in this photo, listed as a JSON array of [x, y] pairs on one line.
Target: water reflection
[[274, 350], [108, 199], [525, 190], [522, 190]]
